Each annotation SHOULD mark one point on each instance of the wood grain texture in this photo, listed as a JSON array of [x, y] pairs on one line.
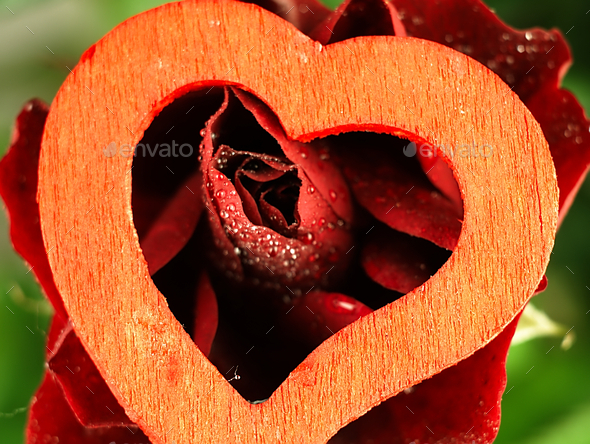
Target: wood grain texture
[[402, 86]]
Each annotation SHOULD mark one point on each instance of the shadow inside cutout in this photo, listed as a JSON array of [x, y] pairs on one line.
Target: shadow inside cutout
[[327, 264]]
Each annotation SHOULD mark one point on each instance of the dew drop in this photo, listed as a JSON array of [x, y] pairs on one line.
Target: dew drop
[[528, 35], [203, 132], [332, 195], [220, 194], [520, 48], [340, 305]]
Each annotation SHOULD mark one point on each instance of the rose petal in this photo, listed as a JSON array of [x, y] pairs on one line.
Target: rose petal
[[566, 129], [51, 420], [174, 226], [303, 14], [393, 188], [87, 393], [318, 315], [18, 187], [356, 18], [441, 176], [206, 316], [400, 262], [460, 405], [526, 60]]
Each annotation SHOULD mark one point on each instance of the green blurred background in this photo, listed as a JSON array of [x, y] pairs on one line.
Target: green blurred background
[[548, 404]]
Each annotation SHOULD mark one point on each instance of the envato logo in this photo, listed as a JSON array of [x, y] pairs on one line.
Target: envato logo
[[146, 150], [465, 150]]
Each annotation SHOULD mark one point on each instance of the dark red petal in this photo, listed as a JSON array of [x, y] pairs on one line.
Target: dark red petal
[[527, 60], [206, 315], [356, 18], [87, 393], [542, 285], [303, 14], [18, 187], [395, 190], [566, 129], [175, 225], [313, 158], [51, 420], [441, 176], [317, 315], [400, 262], [249, 204], [459, 405]]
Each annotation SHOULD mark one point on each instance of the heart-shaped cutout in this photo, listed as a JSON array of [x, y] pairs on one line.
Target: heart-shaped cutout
[[402, 86]]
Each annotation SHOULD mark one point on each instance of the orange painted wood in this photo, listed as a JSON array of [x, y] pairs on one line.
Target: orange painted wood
[[404, 86]]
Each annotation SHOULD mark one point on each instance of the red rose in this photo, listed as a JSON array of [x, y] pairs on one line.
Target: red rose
[[302, 239]]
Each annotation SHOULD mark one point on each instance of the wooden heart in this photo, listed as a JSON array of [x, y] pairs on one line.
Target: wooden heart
[[403, 86]]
